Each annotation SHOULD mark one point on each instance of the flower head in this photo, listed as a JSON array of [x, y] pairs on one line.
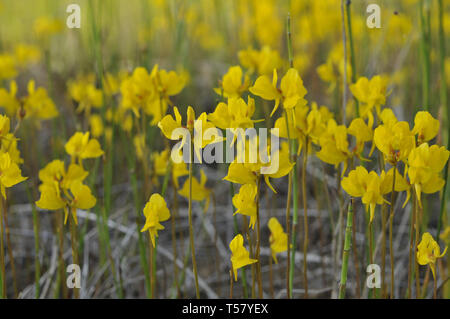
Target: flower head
[[155, 212], [291, 91], [239, 255], [428, 251], [278, 238]]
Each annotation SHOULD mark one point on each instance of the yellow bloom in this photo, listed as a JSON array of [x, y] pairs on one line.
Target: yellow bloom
[[84, 92], [334, 144], [394, 140], [424, 166], [368, 186], [80, 147], [155, 212], [247, 172], [10, 173], [371, 93], [8, 100], [160, 166], [199, 191], [96, 124], [445, 235], [4, 126], [291, 92], [25, 54], [245, 202], [363, 133], [38, 104], [7, 67], [45, 27], [262, 61], [239, 255], [278, 238], [61, 189], [237, 114], [169, 124], [425, 126], [232, 84], [428, 251]]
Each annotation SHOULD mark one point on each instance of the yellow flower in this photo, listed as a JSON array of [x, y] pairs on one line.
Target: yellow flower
[[362, 132], [371, 93], [424, 166], [199, 191], [8, 100], [232, 84], [7, 67], [428, 251], [80, 147], [262, 61], [278, 238], [166, 84], [394, 140], [334, 144], [155, 212], [245, 202], [445, 235], [160, 165], [4, 126], [237, 114], [368, 186], [96, 124], [239, 255], [169, 124], [9, 145], [61, 189], [45, 27], [303, 123], [25, 54], [246, 172], [291, 92], [38, 104], [425, 126], [10, 173], [84, 92], [139, 145]]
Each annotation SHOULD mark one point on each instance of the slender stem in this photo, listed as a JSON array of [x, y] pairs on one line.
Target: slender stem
[[73, 238], [305, 219], [434, 288], [352, 50], [383, 250], [391, 230], [346, 251], [416, 227], [9, 248], [371, 252], [288, 227], [443, 90], [425, 52], [292, 175], [258, 241], [191, 229], [2, 255], [411, 246]]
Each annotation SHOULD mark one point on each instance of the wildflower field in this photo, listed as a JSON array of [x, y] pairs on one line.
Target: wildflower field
[[224, 149]]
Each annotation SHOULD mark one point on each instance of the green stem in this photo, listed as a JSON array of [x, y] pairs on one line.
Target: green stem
[[391, 230], [346, 251], [305, 219], [446, 111], [73, 238], [2, 255], [191, 229], [352, 50]]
